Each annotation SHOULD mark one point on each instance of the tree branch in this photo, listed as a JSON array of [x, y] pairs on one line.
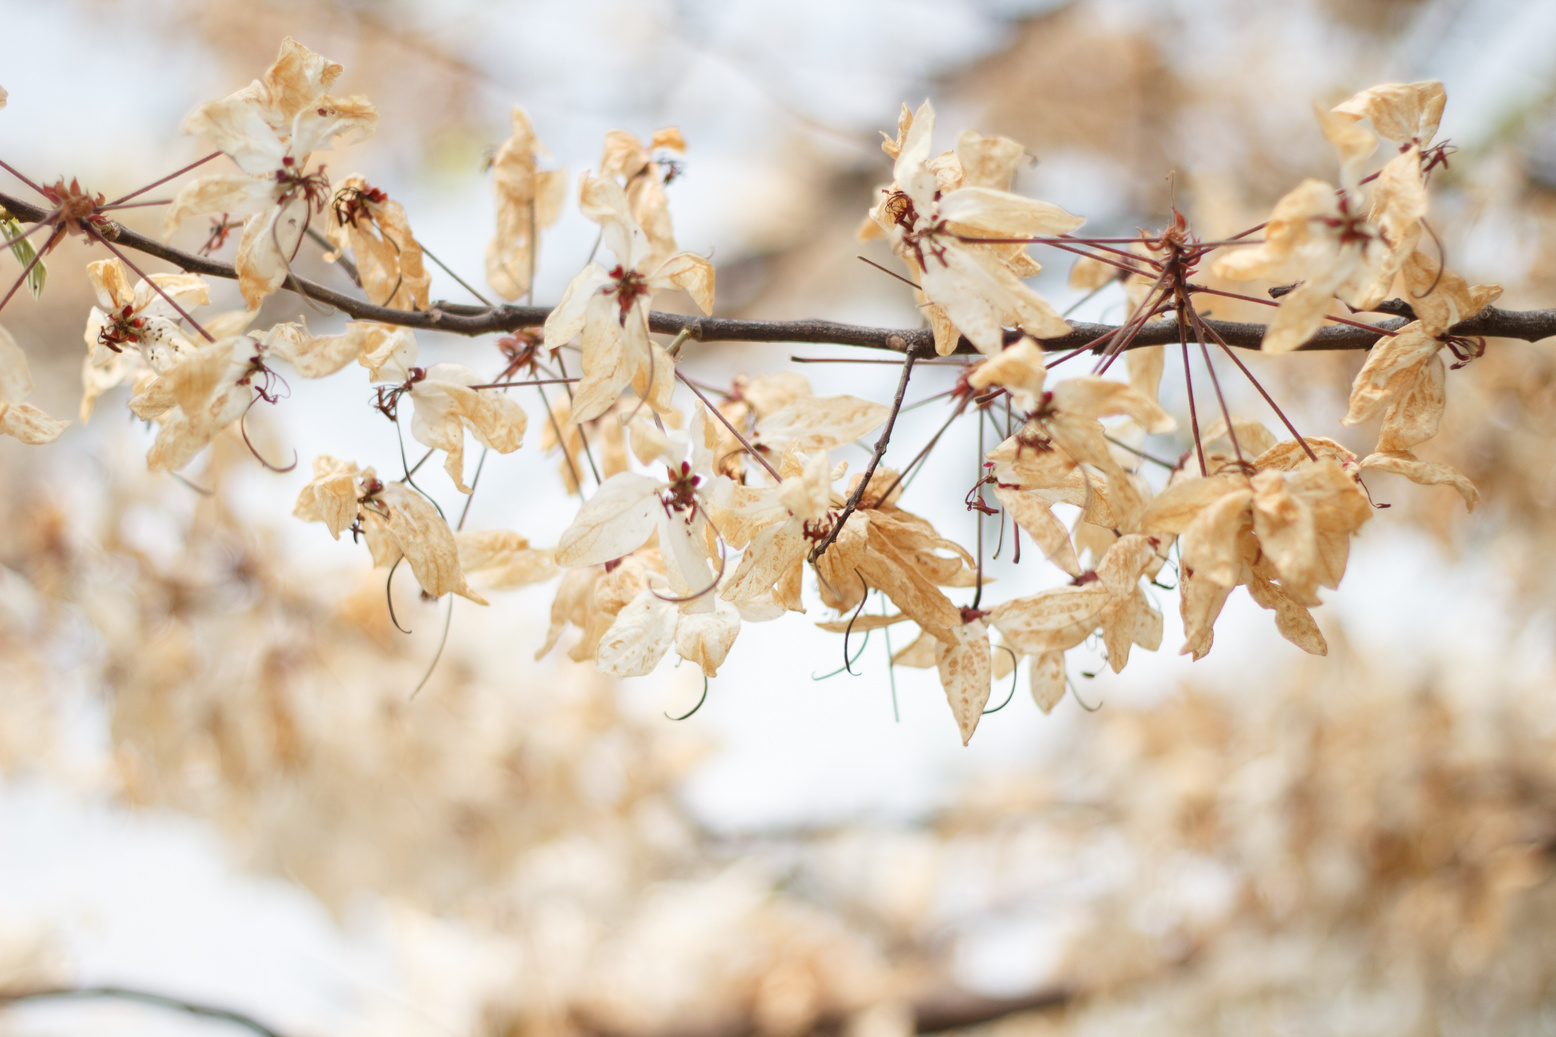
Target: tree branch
[[460, 319]]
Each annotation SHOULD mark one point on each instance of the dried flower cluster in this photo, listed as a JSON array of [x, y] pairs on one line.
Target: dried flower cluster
[[701, 514]]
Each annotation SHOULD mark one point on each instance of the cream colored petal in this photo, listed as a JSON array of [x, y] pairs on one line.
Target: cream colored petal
[[328, 121], [689, 272], [111, 282], [705, 638], [1413, 417], [528, 200], [612, 355], [427, 542], [331, 497], [1424, 473], [602, 200], [1033, 623], [964, 667], [241, 129], [1300, 314], [502, 559], [1288, 455], [639, 638], [986, 212], [218, 193], [1091, 396], [654, 381], [27, 423], [567, 318], [263, 257], [1199, 601], [386, 351], [1048, 680], [1123, 565], [1090, 273], [1021, 366], [771, 554], [1289, 235], [1210, 545], [1145, 364], [988, 161], [1287, 532], [1388, 371], [1176, 507], [1401, 112], [1034, 516], [1354, 143], [919, 654], [1294, 622], [614, 522], [294, 79], [1148, 624], [1252, 436], [445, 407], [816, 423]]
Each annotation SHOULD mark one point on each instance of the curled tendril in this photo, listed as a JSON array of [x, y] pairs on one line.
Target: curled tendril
[[1076, 692], [389, 596], [847, 664], [244, 432], [687, 715], [1014, 677]]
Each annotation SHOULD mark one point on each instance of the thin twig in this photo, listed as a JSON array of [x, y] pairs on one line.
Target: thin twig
[[875, 459]]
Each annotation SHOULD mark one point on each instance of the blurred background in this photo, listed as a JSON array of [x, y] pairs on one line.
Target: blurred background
[[214, 784]]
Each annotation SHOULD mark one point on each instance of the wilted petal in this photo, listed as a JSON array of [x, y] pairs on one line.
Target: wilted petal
[[1424, 473], [614, 522], [1034, 515], [641, 635], [816, 423], [1048, 680], [502, 559], [705, 638], [426, 541], [965, 674], [331, 497], [1401, 112]]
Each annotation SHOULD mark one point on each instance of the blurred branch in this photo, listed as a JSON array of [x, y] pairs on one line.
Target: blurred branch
[[459, 319], [142, 997]]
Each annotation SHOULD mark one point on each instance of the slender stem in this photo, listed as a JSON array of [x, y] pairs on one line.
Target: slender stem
[[1138, 452], [463, 284], [159, 183], [1267, 397], [1231, 427], [1188, 382], [919, 457], [888, 273], [20, 176], [732, 430], [1271, 302], [515, 385], [133, 205], [875, 459], [583, 435], [561, 440]]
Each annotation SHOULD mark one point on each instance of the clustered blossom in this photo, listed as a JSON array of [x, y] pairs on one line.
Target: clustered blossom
[[698, 516]]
